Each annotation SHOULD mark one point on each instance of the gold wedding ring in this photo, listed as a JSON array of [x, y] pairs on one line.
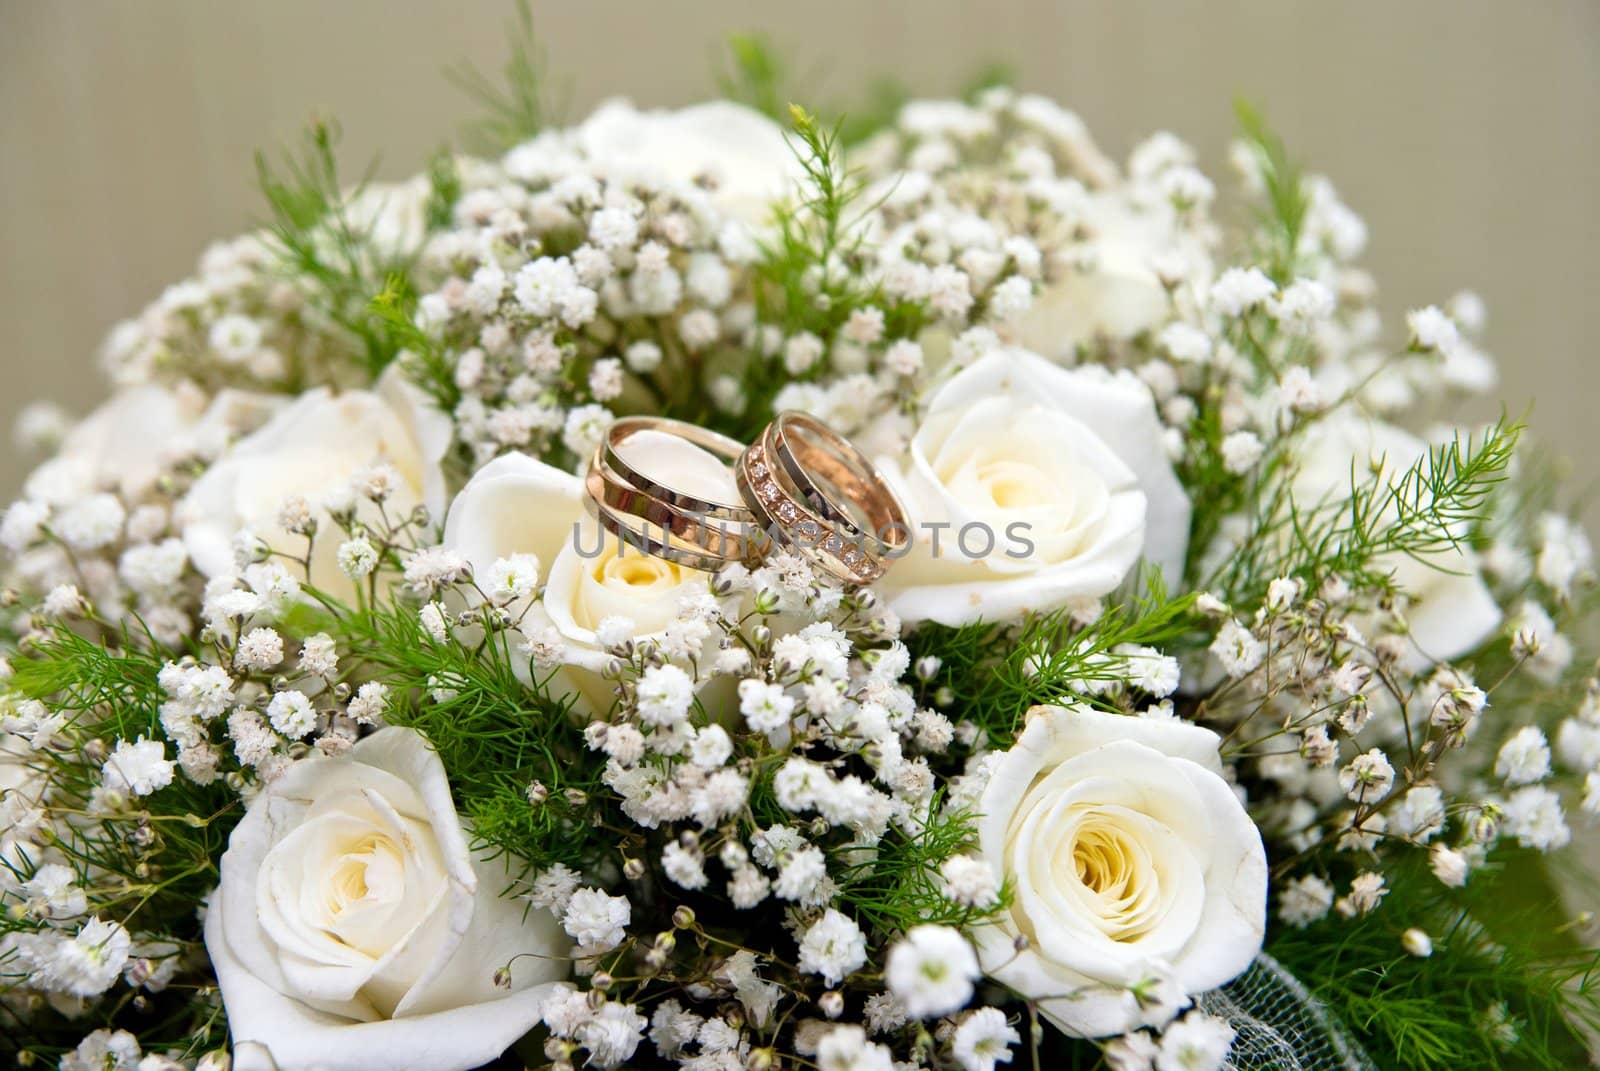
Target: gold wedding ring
[[659, 519], [822, 496]]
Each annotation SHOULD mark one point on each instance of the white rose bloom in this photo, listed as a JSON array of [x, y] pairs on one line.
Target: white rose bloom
[[354, 929], [125, 444], [393, 216], [744, 152], [1111, 288], [312, 449], [1125, 846], [1452, 610], [1070, 460], [517, 505]]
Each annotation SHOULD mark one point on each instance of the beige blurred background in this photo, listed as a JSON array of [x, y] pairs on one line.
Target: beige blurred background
[[1464, 132]]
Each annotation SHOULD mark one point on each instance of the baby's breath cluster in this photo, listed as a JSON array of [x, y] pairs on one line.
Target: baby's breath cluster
[[565, 287]]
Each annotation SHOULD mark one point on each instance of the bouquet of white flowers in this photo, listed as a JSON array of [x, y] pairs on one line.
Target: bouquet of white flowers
[[725, 590]]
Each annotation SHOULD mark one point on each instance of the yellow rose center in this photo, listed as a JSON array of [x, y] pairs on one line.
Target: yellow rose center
[[1016, 485], [631, 569], [1102, 862]]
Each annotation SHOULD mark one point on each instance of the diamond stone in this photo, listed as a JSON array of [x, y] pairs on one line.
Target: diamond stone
[[809, 527], [757, 469], [851, 556], [788, 512], [833, 544], [768, 491]]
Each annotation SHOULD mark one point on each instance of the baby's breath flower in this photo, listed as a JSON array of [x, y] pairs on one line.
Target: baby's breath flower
[[259, 649], [1239, 290], [1524, 758], [614, 631], [370, 700], [357, 557], [319, 656], [1432, 329], [138, 767], [513, 578], [1366, 891], [833, 947], [595, 919], [969, 881], [292, 714], [1305, 900], [931, 971], [435, 621], [1197, 1042], [1239, 651], [1368, 777], [1240, 452], [984, 1039], [664, 695]]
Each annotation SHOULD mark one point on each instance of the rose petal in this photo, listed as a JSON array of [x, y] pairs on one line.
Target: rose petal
[[272, 1032], [1453, 612], [514, 505], [742, 150]]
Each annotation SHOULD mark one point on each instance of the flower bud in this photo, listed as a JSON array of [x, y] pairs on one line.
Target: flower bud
[[1416, 943]]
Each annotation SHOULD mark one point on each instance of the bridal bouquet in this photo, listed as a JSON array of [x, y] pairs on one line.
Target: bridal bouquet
[[727, 590]]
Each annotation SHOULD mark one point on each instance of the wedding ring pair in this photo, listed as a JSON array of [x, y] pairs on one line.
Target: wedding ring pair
[[800, 484]]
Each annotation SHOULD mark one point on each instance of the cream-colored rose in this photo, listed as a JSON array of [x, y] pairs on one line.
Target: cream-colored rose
[[741, 151], [1125, 849], [1451, 610], [126, 443], [1068, 461], [313, 448], [355, 930], [1108, 286], [391, 216], [517, 505]]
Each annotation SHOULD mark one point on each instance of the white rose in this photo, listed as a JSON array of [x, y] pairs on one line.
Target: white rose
[[1125, 848], [517, 505], [1108, 286], [741, 150], [127, 442], [354, 929], [313, 448], [1069, 460], [392, 216], [1451, 611]]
